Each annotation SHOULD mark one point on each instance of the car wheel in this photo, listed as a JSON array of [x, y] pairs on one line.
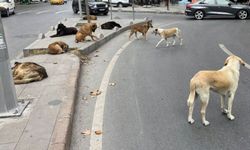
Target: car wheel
[[199, 15], [242, 14], [7, 14], [119, 5], [75, 10], [105, 14]]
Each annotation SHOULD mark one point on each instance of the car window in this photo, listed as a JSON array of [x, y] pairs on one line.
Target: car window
[[222, 2], [209, 2]]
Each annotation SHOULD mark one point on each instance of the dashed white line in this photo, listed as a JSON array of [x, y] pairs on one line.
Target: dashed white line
[[63, 11], [42, 12], [24, 12]]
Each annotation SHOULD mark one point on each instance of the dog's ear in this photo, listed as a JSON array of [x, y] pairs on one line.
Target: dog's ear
[[226, 61], [242, 62]]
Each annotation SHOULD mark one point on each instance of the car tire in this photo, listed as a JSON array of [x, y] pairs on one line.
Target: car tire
[[7, 13], [75, 10], [242, 14], [120, 5], [199, 14], [106, 14]]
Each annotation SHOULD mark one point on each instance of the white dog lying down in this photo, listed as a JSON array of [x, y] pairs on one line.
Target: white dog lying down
[[223, 82], [167, 33]]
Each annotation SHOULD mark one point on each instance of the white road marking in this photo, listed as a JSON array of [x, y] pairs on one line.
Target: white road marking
[[63, 11], [42, 12], [96, 140], [227, 51], [24, 12]]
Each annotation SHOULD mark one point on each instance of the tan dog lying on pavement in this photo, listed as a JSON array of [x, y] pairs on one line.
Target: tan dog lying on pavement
[[84, 31], [168, 33], [28, 72], [142, 28], [58, 47], [224, 82]]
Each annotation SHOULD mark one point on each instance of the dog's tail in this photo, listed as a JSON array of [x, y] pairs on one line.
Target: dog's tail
[[192, 94]]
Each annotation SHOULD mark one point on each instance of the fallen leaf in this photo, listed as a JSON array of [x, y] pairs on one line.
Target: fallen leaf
[[96, 51], [54, 62], [98, 132], [95, 93], [86, 132], [96, 55]]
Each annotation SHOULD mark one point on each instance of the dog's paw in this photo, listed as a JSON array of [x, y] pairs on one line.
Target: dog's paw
[[230, 117], [191, 121], [205, 123], [224, 111]]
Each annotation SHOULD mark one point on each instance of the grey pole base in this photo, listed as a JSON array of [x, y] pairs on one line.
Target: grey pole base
[[17, 112]]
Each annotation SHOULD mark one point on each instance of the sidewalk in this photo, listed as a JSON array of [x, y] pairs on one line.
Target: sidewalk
[[173, 9]]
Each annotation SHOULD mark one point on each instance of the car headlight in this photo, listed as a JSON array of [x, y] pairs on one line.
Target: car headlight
[[106, 5], [95, 6]]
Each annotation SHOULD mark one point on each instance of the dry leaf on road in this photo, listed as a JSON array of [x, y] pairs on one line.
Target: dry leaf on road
[[98, 132], [95, 93], [86, 132]]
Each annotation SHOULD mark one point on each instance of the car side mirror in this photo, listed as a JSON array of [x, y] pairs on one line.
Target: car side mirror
[[229, 4]]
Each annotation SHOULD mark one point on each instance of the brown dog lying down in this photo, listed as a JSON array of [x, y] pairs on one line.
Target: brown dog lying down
[[223, 81], [28, 72], [84, 31], [91, 17], [58, 47], [142, 28]]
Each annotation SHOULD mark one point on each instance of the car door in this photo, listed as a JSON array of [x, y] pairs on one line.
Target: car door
[[225, 7], [210, 6]]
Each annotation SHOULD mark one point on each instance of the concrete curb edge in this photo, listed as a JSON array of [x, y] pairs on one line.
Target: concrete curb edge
[[61, 136]]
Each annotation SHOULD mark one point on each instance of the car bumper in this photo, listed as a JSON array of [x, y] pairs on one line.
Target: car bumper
[[99, 10], [3, 10], [189, 12]]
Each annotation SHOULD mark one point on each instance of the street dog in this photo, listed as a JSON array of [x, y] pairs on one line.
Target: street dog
[[110, 25], [223, 81], [62, 30], [84, 31], [91, 17], [168, 33], [58, 47], [142, 28], [28, 72]]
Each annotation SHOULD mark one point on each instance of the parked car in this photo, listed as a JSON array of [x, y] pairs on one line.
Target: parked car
[[119, 3], [7, 7], [95, 7], [205, 8]]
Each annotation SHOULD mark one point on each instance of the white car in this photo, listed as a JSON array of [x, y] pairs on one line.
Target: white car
[[7, 7], [119, 3]]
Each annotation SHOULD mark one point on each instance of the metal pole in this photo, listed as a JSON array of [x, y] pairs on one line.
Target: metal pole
[[110, 4], [87, 10], [8, 101], [80, 7], [133, 9]]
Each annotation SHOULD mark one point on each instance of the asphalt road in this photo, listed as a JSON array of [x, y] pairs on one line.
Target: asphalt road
[[146, 109], [29, 21]]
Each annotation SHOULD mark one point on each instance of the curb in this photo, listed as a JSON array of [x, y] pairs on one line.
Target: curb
[[61, 136], [83, 50], [156, 12]]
